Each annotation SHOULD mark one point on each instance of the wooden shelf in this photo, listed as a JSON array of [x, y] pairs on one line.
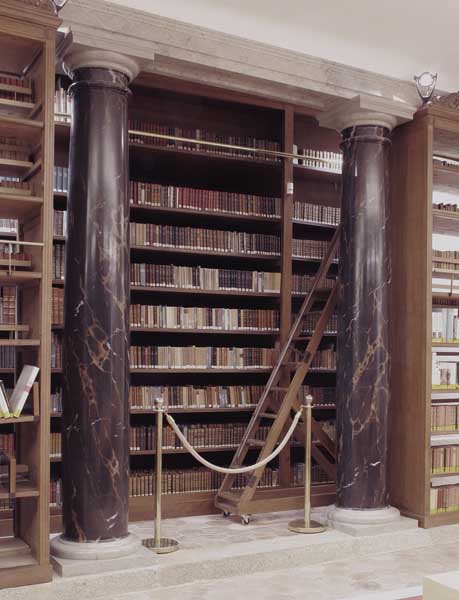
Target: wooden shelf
[[16, 107], [14, 206], [190, 291], [20, 328], [27, 130], [183, 330], [191, 371], [19, 343], [445, 273], [210, 253], [7, 87], [59, 239], [24, 489], [25, 264], [19, 277], [18, 420], [15, 168], [313, 224], [194, 410], [303, 172]]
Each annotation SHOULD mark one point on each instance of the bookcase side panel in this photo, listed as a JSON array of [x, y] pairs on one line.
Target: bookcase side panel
[[410, 304]]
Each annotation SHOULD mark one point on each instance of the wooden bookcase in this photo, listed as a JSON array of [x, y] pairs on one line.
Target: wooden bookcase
[[418, 287], [191, 106], [27, 54]]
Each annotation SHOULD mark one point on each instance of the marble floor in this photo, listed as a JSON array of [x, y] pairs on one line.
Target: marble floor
[[220, 559]]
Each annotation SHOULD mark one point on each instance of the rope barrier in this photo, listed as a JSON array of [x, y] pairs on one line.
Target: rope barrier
[[228, 470]]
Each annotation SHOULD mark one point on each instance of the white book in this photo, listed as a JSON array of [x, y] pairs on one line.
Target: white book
[[4, 408], [22, 389]]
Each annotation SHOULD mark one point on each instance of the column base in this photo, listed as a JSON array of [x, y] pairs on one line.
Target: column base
[[368, 521], [119, 548]]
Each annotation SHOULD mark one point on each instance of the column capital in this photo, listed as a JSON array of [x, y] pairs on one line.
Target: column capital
[[79, 57], [365, 110]]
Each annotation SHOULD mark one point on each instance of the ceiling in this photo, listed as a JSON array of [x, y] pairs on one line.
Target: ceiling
[[398, 38]]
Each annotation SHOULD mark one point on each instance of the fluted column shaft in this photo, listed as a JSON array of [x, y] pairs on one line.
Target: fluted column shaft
[[96, 331], [363, 352]]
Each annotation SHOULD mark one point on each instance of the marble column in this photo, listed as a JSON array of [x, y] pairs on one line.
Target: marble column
[[363, 350], [363, 369], [95, 434]]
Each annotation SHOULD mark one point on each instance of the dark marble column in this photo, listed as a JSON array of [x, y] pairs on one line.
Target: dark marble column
[[363, 367], [95, 435]]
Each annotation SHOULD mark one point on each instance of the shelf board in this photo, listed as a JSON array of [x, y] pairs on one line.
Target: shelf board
[[26, 264], [27, 130], [58, 282], [15, 168], [314, 224], [59, 238], [19, 328], [446, 395], [19, 343], [445, 178], [445, 222], [449, 348], [210, 253], [55, 459], [191, 291], [200, 449], [440, 479], [191, 370], [445, 273], [178, 330], [444, 439], [15, 108], [18, 207], [56, 415], [19, 277], [192, 212], [193, 410], [8, 87], [24, 489], [19, 420]]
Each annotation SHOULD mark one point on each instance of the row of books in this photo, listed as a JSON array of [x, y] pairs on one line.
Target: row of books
[[7, 443], [444, 499], [56, 401], [208, 279], [13, 149], [201, 278], [315, 213], [445, 417], [8, 304], [445, 371], [9, 226], [55, 449], [57, 306], [7, 357], [442, 259], [198, 357], [55, 493], [6, 505], [59, 261], [310, 323], [445, 324], [318, 475], [56, 351], [198, 479], [63, 106], [13, 185], [205, 135], [60, 222], [447, 207], [144, 397], [325, 359], [171, 236], [8, 83], [11, 251], [322, 396], [199, 435], [309, 248], [169, 196], [445, 460], [318, 159], [61, 179], [188, 317]]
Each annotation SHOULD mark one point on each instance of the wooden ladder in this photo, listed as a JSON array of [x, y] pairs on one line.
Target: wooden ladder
[[277, 404]]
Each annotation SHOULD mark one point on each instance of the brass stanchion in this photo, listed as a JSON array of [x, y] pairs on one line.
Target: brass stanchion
[[158, 544], [306, 525]]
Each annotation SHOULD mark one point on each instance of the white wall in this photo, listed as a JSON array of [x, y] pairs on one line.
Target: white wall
[[394, 37]]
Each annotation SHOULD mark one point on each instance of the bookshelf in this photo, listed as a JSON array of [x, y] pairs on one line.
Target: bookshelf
[[27, 38], [211, 243], [424, 426]]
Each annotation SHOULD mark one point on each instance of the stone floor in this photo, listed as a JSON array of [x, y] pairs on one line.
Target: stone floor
[[276, 564]]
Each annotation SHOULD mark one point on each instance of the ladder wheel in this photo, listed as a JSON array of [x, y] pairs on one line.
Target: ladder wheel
[[245, 519], [226, 513]]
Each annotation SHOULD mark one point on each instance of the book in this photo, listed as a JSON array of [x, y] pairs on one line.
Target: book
[[22, 389], [5, 412]]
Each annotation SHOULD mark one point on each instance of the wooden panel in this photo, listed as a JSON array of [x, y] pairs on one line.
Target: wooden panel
[[410, 316]]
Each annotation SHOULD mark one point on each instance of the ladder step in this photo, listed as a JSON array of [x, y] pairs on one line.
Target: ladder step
[[229, 498], [276, 388], [256, 443], [268, 416]]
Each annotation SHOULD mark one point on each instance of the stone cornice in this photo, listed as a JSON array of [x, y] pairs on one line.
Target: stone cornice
[[190, 51]]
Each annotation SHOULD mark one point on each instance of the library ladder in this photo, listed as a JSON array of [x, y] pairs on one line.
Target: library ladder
[[276, 404]]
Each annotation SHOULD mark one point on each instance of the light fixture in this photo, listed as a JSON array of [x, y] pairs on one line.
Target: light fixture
[[57, 5], [425, 84]]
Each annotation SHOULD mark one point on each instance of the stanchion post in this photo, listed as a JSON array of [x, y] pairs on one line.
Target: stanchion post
[[158, 544], [306, 525]]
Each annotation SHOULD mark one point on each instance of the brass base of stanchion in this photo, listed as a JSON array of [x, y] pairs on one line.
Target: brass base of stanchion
[[166, 545], [300, 526]]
